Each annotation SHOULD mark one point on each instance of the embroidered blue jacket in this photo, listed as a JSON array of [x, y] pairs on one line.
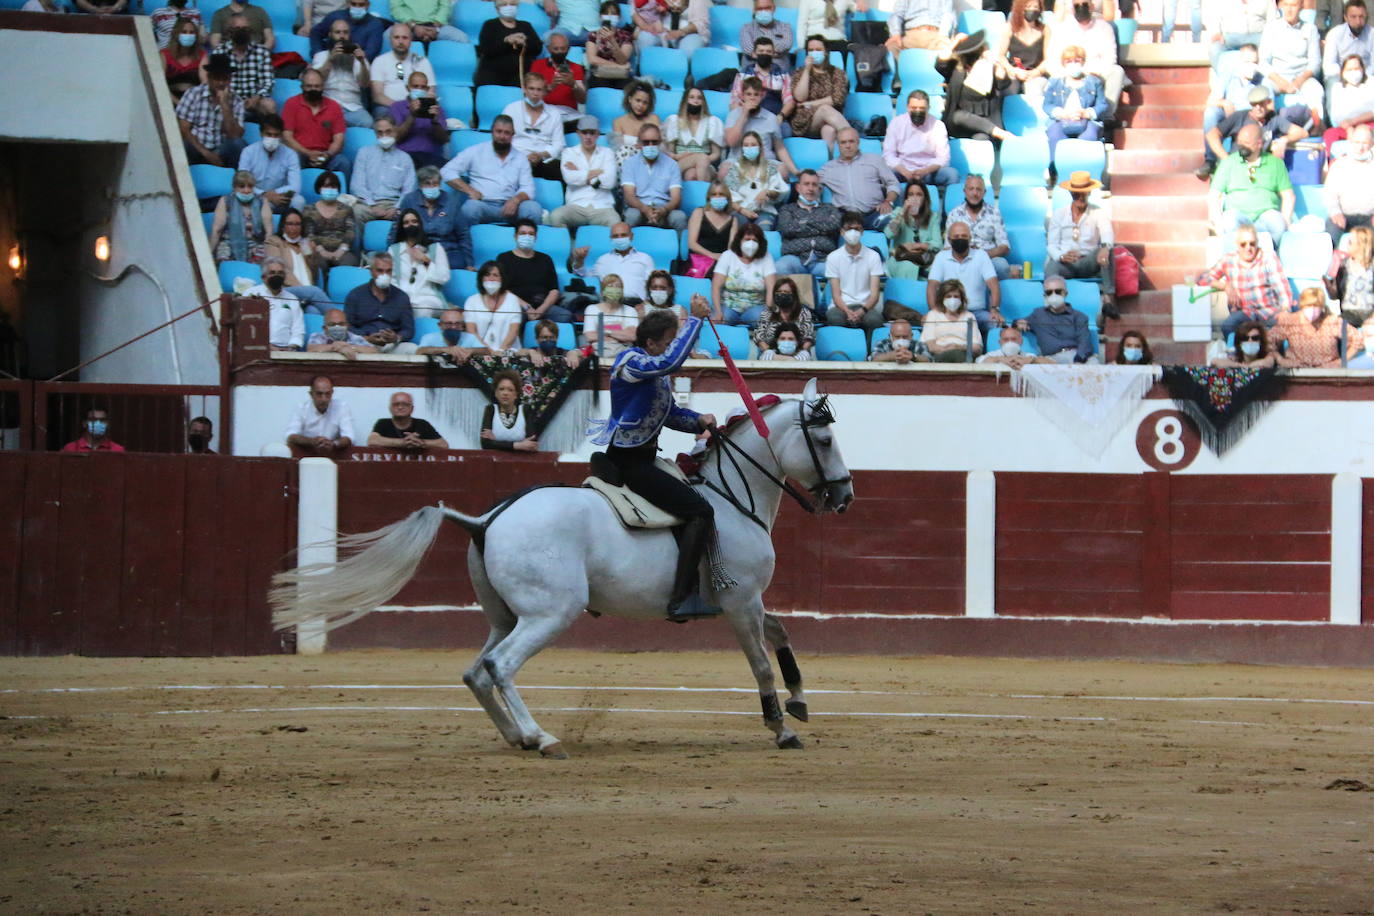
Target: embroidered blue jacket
[[642, 394]]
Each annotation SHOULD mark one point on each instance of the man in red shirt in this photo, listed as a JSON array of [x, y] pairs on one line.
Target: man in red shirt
[[94, 438], [314, 126], [566, 80]]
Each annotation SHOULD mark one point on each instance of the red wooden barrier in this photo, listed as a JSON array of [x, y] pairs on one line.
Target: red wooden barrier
[[141, 554]]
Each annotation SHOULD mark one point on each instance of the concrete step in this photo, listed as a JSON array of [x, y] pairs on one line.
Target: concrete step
[[1191, 231], [1191, 95], [1154, 76], [1157, 138], [1154, 162], [1179, 185], [1171, 116], [1147, 210]]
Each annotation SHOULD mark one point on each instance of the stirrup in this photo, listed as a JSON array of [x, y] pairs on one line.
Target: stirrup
[[693, 607]]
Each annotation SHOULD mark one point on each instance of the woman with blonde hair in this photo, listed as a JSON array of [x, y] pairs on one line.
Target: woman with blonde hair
[[609, 325], [755, 184], [1350, 278], [694, 137]]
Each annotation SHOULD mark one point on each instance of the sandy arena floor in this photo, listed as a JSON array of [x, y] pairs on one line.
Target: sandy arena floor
[[964, 786]]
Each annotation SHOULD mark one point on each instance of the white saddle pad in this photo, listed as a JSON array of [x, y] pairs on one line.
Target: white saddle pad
[[634, 510]]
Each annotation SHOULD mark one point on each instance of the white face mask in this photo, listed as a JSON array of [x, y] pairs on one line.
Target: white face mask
[[1055, 301], [901, 343], [658, 296], [1074, 71], [507, 10], [491, 286], [853, 236], [1011, 347], [1250, 347], [271, 143], [953, 303], [386, 142], [1246, 71], [1314, 312], [1355, 78], [749, 247], [787, 347], [383, 281]]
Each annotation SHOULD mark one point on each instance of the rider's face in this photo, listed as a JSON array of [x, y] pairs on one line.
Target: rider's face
[[657, 346]]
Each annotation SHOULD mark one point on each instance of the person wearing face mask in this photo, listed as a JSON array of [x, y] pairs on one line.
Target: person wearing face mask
[[1351, 38], [854, 273], [975, 81], [255, 19], [681, 24], [632, 266], [290, 245], [330, 227], [694, 137], [532, 275], [1061, 331], [818, 91], [403, 430], [538, 129], [1134, 350], [381, 176], [1251, 350], [1255, 284], [1278, 129], [651, 183], [200, 432], [497, 181], [546, 347], [389, 73], [920, 24], [916, 147], [1251, 187], [772, 75], [1352, 102], [250, 67], [275, 167], [368, 31], [241, 222], [94, 434], [913, 238], [1075, 102], [438, 209], [786, 308], [1021, 49], [810, 229], [950, 332], [1349, 188], [314, 126], [335, 337], [663, 295], [1290, 56], [742, 283], [210, 118], [710, 230], [1011, 351], [766, 24], [987, 229], [182, 57], [973, 269], [505, 47], [1097, 39], [1350, 276], [286, 322], [752, 117], [380, 311], [1080, 240], [493, 314], [1231, 94], [610, 50], [452, 340], [900, 346], [421, 266], [589, 173], [165, 19], [609, 325], [786, 345], [755, 184], [347, 79], [421, 124], [566, 80], [1312, 333]]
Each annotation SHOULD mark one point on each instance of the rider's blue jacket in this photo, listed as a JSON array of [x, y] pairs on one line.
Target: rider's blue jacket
[[642, 394]]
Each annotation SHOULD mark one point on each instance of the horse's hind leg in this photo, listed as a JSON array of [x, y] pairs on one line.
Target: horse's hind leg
[[787, 663], [502, 623], [748, 624], [531, 634]]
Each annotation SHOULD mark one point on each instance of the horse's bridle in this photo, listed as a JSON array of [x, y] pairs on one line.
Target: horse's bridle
[[821, 415]]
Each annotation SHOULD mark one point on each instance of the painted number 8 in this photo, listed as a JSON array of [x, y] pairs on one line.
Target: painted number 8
[[1169, 448]]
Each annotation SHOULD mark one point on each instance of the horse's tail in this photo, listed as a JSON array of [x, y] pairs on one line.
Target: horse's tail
[[377, 566]]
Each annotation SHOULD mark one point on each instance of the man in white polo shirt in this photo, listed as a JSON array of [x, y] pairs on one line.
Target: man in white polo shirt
[[855, 274]]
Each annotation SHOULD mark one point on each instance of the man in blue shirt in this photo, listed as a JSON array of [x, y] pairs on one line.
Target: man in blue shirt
[[276, 167], [498, 182], [652, 184], [368, 30], [380, 312], [438, 209], [382, 175], [1061, 332]]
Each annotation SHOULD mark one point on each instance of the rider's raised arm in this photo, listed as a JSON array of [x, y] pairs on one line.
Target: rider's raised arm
[[637, 366]]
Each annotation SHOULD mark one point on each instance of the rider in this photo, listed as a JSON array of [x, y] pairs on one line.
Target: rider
[[642, 403]]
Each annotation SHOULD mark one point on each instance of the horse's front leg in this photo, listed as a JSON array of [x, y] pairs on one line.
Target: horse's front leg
[[748, 623], [787, 664]]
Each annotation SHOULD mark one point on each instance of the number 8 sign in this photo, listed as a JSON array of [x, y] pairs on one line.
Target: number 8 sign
[[1168, 440]]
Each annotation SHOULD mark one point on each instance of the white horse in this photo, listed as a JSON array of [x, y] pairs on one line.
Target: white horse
[[541, 558]]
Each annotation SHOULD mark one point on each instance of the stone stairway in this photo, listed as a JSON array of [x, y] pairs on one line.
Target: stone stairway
[[1159, 208]]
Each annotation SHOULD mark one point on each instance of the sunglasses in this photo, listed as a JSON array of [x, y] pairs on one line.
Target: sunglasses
[[1251, 337], [1247, 244]]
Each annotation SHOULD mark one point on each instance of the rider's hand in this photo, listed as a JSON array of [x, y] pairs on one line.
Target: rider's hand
[[706, 420]]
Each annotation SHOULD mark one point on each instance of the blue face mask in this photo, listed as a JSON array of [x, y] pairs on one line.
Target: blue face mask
[[186, 39], [96, 427], [621, 244], [244, 197], [764, 17], [719, 203], [548, 347], [452, 336], [417, 93], [356, 12], [817, 57], [750, 152], [329, 193], [1132, 354], [650, 153], [525, 242], [430, 193]]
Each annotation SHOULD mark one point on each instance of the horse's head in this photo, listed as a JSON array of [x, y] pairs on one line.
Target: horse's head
[[812, 455]]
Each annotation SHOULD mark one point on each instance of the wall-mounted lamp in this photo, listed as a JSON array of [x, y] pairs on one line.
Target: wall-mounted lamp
[[102, 248], [16, 259]]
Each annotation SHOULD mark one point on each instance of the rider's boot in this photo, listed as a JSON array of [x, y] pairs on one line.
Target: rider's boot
[[686, 603]]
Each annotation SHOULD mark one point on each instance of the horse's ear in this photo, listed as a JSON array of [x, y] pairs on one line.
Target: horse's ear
[[810, 392]]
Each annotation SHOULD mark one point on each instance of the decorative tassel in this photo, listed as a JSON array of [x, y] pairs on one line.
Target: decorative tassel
[[720, 576]]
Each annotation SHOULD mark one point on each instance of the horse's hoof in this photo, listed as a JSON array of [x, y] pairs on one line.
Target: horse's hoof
[[529, 745], [554, 751], [790, 743], [797, 710]]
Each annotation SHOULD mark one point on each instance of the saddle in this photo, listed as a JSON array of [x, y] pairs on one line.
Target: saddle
[[633, 510]]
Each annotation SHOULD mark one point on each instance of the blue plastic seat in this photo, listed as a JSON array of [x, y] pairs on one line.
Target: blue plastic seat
[[211, 181], [1085, 296], [548, 193], [556, 242], [1028, 244], [1125, 30], [289, 41], [453, 63], [1020, 298], [1080, 156], [425, 324], [283, 14], [789, 14], [308, 177], [1025, 159], [1023, 206], [773, 238], [990, 21], [534, 14], [736, 340], [717, 103], [460, 140], [807, 153], [726, 22], [208, 219], [659, 244], [1309, 203], [492, 100], [343, 280], [871, 145], [382, 10], [567, 335], [710, 61], [973, 157], [684, 287], [355, 138], [314, 324], [231, 270], [911, 293], [461, 285], [667, 101], [876, 240], [597, 239], [916, 69], [283, 90], [666, 64], [694, 195], [490, 240], [605, 104], [375, 234], [841, 344], [469, 15], [456, 100], [851, 74], [864, 106], [1019, 116], [1305, 254]]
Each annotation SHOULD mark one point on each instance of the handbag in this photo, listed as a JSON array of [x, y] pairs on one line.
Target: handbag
[[611, 71], [702, 266], [1127, 271], [1334, 279]]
